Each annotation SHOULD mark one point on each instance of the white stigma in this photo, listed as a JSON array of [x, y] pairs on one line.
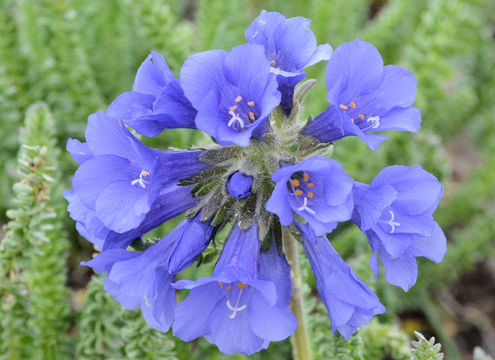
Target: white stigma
[[391, 222], [305, 207], [235, 118], [140, 180], [374, 120], [236, 308]]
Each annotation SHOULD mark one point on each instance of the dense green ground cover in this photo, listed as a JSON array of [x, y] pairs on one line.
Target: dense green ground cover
[[76, 56]]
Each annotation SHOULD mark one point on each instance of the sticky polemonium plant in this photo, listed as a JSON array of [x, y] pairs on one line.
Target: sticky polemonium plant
[[268, 181]]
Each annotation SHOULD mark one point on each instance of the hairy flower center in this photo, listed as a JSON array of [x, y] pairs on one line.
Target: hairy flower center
[[302, 189], [236, 121], [144, 178]]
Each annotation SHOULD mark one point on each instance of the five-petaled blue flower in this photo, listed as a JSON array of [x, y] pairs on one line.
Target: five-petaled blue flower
[[265, 173], [234, 92], [245, 303], [157, 101], [318, 189], [396, 214], [289, 46], [366, 97]]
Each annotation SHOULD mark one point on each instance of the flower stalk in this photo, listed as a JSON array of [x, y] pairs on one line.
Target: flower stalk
[[301, 348]]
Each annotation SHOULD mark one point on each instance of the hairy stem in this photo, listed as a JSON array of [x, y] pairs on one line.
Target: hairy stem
[[301, 348]]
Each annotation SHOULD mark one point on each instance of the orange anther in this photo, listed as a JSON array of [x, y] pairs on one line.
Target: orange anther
[[238, 99], [361, 116], [352, 120], [306, 177], [233, 107], [299, 192], [272, 62], [310, 195], [220, 283], [295, 182], [344, 107], [311, 185], [251, 103], [241, 285], [229, 287], [352, 104], [251, 115]]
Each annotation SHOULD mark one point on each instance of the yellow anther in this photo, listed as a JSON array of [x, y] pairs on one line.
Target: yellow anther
[[352, 120], [229, 287], [238, 99], [344, 107], [311, 185], [250, 103], [251, 115], [361, 116], [306, 177], [272, 62], [299, 192], [310, 195], [233, 107], [144, 173], [241, 285], [220, 283], [352, 104], [295, 182]]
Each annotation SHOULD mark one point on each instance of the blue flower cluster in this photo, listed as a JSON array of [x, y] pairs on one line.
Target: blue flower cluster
[[265, 172]]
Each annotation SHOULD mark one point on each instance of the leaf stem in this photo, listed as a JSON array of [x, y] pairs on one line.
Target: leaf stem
[[301, 349]]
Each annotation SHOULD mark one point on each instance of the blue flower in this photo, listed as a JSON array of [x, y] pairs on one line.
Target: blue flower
[[289, 46], [239, 185], [234, 93], [157, 101], [318, 189], [173, 200], [396, 214], [143, 279], [122, 178], [365, 96], [239, 308], [350, 303]]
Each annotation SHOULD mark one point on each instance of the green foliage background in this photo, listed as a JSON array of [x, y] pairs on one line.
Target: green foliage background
[[76, 56]]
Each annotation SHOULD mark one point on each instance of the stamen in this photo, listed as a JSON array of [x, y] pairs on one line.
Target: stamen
[[241, 285], [233, 108], [306, 177], [352, 104], [344, 107], [250, 103], [361, 116], [251, 115], [220, 283], [229, 287], [352, 120], [140, 180], [236, 308], [310, 185], [305, 207], [299, 192], [295, 182], [310, 195], [238, 99], [272, 62]]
